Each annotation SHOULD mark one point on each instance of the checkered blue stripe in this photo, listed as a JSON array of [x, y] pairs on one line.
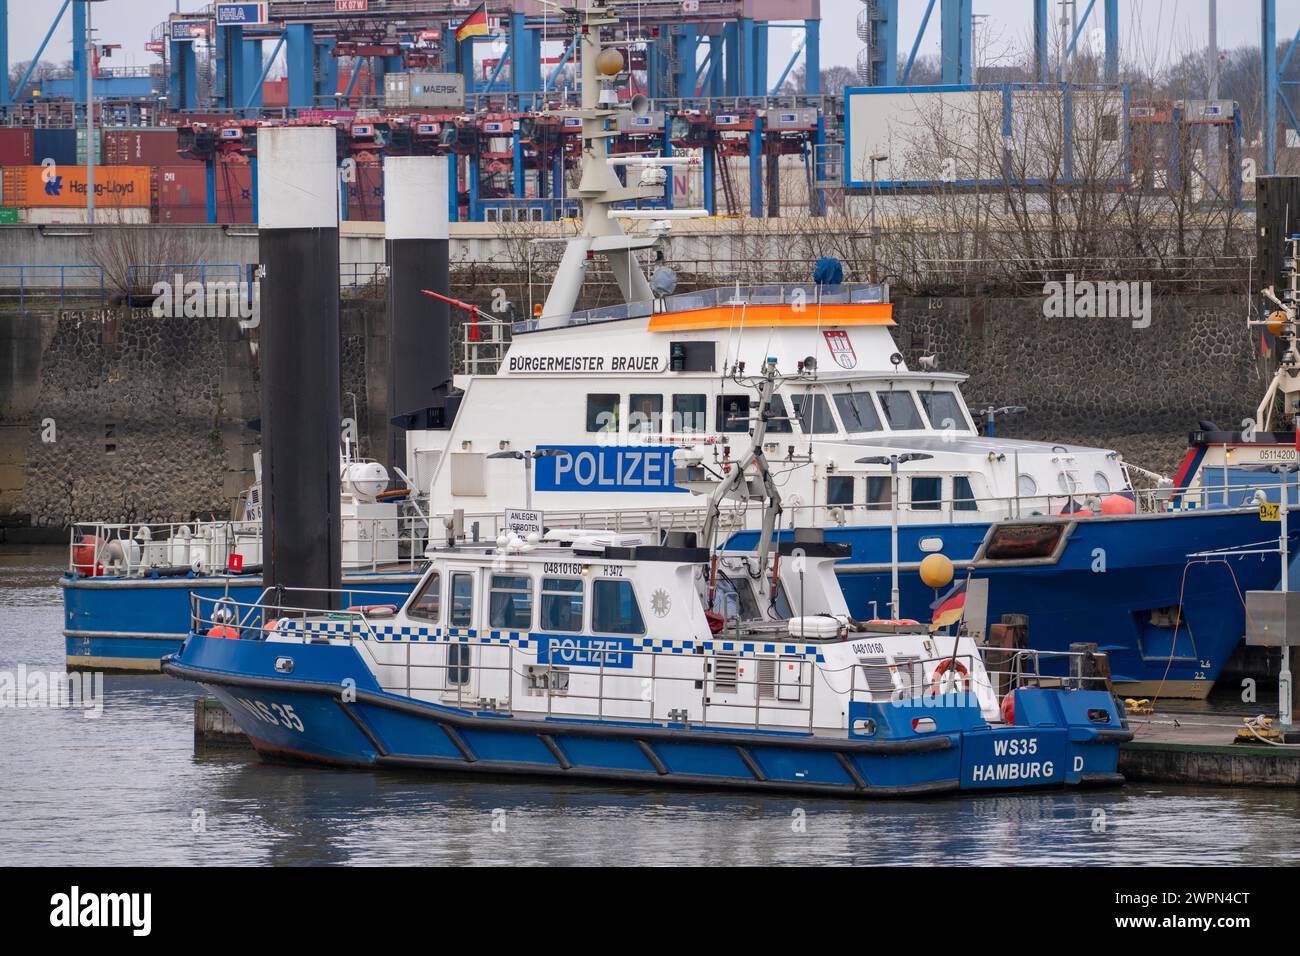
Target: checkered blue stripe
[[415, 634]]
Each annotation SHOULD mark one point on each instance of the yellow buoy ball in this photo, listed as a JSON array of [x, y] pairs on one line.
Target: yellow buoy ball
[[1276, 322], [609, 62], [936, 571]]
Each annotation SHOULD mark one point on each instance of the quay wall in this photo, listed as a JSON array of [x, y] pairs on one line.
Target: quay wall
[[151, 416]]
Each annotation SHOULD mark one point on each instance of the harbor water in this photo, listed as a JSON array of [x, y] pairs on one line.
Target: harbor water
[[126, 787]]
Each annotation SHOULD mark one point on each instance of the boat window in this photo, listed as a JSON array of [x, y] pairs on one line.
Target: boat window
[[645, 413], [602, 413], [427, 603], [878, 492], [733, 413], [458, 661], [857, 412], [839, 490], [1026, 487], [963, 497], [814, 413], [462, 600], [900, 409], [614, 609], [510, 603], [562, 604], [927, 493], [689, 414], [1102, 482], [943, 409], [778, 421], [733, 598]]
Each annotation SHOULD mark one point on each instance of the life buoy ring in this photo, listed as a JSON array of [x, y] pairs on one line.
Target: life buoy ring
[[957, 667], [379, 610]]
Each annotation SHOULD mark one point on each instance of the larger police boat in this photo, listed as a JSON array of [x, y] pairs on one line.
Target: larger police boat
[[583, 655]]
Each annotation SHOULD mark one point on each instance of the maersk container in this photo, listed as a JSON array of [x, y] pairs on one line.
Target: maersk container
[[424, 90]]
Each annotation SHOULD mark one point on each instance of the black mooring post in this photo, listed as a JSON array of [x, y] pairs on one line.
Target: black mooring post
[[418, 327], [298, 243]]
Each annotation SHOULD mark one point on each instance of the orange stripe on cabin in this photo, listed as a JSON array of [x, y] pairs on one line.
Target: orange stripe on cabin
[[828, 315]]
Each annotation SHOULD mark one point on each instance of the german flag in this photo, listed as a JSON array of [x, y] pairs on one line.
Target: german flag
[[949, 608], [475, 25]]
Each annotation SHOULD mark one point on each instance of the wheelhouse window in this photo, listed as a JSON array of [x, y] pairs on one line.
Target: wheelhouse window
[[614, 609], [857, 412], [690, 413], [927, 493], [943, 409], [462, 600], [900, 409], [602, 413], [839, 490], [879, 489], [427, 603], [645, 413], [963, 497], [733, 413], [778, 422], [458, 663], [814, 413], [562, 604], [510, 603]]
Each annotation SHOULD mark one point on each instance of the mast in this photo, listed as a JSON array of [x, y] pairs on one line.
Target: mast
[[599, 67]]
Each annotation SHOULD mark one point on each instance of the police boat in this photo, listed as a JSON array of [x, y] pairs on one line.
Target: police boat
[[595, 655]]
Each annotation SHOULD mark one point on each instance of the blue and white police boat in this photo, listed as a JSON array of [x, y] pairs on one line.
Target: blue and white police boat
[[588, 655]]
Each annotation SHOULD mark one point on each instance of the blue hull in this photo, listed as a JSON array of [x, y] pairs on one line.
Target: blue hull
[[130, 624], [1101, 588], [305, 716]]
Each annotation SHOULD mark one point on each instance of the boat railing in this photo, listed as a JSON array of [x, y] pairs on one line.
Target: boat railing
[[722, 688], [777, 293], [1077, 504]]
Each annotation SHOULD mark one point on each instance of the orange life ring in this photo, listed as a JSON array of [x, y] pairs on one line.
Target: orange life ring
[[374, 608], [957, 667]]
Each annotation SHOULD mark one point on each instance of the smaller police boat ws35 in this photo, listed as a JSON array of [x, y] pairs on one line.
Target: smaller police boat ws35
[[587, 654]]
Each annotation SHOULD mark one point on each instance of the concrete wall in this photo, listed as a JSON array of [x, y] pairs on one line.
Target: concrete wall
[[149, 415]]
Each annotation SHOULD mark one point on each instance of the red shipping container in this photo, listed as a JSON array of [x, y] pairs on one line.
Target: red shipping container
[[275, 93], [365, 196], [234, 193], [16, 146], [182, 186], [142, 147], [183, 215]]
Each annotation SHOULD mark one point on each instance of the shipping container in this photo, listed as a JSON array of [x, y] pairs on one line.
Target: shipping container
[[182, 215], [143, 147], [181, 186], [275, 93], [424, 90], [59, 145], [16, 146], [55, 215], [365, 195], [115, 186], [234, 193], [8, 216], [81, 146]]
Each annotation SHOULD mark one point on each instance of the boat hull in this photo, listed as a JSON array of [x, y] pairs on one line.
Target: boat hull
[[130, 624], [1102, 587], [329, 710]]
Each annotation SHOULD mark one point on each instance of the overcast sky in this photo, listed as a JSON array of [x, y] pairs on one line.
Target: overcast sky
[[1151, 30]]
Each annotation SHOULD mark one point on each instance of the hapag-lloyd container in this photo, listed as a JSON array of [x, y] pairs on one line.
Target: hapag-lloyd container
[[115, 186]]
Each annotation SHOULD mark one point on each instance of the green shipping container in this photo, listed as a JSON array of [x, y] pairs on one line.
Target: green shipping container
[[81, 146], [8, 216]]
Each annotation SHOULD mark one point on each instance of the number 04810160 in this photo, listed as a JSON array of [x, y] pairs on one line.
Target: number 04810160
[[278, 715]]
